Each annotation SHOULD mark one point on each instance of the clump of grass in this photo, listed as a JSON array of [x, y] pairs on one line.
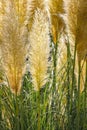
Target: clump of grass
[[54, 103]]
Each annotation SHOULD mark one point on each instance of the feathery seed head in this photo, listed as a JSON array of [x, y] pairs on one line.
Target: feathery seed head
[[76, 25], [32, 6], [2, 11], [13, 48], [81, 37], [70, 18], [39, 49], [21, 9], [57, 23]]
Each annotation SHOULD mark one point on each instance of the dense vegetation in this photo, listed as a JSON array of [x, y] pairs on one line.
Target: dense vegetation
[[42, 84]]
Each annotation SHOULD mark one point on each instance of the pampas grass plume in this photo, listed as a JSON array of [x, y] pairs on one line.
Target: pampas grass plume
[[76, 26], [21, 9], [13, 48], [39, 52], [32, 6], [57, 23]]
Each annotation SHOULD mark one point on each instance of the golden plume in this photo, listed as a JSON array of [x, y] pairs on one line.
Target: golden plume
[[75, 18], [81, 37], [70, 19], [39, 49], [32, 6], [2, 5], [13, 47], [2, 11], [21, 9], [56, 9], [76, 23]]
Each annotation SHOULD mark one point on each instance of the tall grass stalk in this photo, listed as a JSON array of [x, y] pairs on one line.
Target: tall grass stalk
[[55, 51], [38, 111], [85, 97], [68, 83], [78, 97], [16, 113], [73, 76]]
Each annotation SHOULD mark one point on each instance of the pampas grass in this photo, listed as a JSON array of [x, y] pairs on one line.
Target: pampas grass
[[70, 18], [81, 30], [21, 9], [76, 27], [50, 98], [13, 48], [76, 24], [39, 40], [57, 23], [1, 14], [32, 5]]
